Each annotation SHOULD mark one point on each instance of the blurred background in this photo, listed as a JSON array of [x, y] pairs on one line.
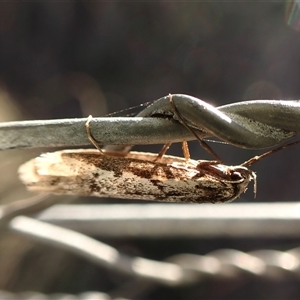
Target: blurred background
[[72, 59]]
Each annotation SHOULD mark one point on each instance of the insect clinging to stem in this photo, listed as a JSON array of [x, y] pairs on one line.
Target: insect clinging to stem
[[139, 175]]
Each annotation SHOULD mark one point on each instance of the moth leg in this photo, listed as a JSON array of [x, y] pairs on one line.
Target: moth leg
[[186, 152], [89, 134], [163, 151]]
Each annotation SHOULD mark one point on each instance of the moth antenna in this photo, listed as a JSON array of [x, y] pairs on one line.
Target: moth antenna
[[257, 158], [202, 143]]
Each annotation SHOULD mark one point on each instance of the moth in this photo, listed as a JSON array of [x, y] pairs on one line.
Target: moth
[[135, 176], [138, 175]]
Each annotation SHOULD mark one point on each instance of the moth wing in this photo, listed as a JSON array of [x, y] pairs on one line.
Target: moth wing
[[55, 164]]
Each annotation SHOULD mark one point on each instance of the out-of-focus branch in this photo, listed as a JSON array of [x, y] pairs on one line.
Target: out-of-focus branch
[[234, 220], [178, 270]]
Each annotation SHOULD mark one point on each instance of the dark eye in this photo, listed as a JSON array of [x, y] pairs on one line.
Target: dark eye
[[236, 176]]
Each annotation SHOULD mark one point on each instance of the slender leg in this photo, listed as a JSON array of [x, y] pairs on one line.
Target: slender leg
[[186, 152], [163, 151], [89, 134]]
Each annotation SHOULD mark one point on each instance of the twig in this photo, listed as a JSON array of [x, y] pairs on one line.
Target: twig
[[234, 220], [178, 270], [71, 132], [253, 124]]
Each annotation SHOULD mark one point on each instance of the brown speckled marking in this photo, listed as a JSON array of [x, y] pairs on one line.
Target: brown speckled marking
[[119, 165], [94, 187], [54, 181], [136, 176]]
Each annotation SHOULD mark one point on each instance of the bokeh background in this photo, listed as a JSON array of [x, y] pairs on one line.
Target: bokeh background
[[72, 59]]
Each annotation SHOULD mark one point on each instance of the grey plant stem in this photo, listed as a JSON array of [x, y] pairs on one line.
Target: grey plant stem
[[255, 124], [71, 132]]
